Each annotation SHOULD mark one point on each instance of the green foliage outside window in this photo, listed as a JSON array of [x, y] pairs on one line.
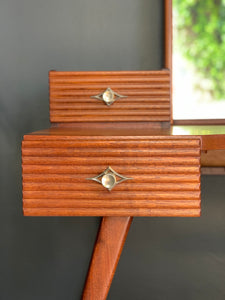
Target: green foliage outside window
[[201, 39]]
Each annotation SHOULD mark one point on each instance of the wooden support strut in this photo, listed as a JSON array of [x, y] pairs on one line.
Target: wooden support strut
[[108, 247]]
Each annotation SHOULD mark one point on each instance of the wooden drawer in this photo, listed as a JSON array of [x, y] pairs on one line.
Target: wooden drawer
[[147, 96], [165, 174]]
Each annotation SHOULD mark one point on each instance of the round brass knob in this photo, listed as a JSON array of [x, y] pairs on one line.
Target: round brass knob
[[109, 180], [108, 96]]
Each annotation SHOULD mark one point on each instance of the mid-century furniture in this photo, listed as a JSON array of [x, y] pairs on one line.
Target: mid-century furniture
[[112, 151]]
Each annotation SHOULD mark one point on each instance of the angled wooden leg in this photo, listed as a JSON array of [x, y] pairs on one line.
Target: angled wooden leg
[[109, 245]]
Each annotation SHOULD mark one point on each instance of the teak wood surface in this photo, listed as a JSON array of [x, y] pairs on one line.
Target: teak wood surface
[[51, 156], [107, 251], [134, 136], [147, 96], [165, 172]]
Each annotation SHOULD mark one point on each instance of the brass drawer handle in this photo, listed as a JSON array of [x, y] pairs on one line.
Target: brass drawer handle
[[108, 178], [108, 96]]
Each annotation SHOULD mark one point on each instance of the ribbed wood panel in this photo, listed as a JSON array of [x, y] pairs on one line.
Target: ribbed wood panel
[[165, 172], [148, 96]]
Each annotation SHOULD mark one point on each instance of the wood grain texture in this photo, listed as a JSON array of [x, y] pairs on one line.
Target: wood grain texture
[[212, 137], [168, 33], [148, 96], [168, 47], [107, 251], [213, 158], [165, 172]]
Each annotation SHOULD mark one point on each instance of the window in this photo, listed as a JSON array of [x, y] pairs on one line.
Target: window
[[198, 59]]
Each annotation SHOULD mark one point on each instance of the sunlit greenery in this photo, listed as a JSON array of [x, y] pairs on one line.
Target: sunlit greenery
[[201, 38]]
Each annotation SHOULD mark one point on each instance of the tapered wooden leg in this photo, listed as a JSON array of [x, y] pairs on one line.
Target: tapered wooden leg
[[109, 245]]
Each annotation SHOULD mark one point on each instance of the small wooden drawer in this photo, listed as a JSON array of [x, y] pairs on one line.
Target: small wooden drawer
[[165, 172], [146, 96]]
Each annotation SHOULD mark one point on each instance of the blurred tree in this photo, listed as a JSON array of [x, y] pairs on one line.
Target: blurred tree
[[200, 26]]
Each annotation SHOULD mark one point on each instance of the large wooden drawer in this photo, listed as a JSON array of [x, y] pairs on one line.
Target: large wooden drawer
[[165, 174]]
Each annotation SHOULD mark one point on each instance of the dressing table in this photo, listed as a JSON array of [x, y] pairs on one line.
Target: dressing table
[[114, 151]]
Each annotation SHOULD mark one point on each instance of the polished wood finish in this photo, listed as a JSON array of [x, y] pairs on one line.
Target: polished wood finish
[[168, 34], [56, 161], [107, 251], [213, 158], [55, 173], [148, 96], [168, 41], [163, 161], [212, 137]]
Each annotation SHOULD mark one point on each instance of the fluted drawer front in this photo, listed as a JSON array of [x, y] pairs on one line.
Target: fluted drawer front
[[147, 96], [165, 174]]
